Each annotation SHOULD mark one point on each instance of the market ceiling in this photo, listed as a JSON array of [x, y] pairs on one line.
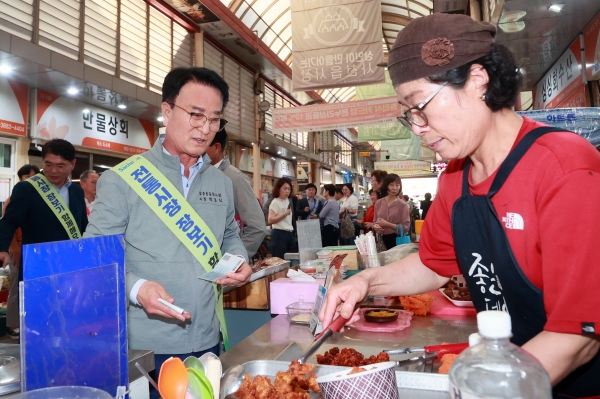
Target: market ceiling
[[535, 34]]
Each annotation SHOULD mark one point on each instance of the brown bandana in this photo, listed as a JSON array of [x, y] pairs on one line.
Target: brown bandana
[[437, 52], [438, 43]]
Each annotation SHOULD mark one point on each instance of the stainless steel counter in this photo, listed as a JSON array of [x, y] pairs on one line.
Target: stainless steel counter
[[278, 336]]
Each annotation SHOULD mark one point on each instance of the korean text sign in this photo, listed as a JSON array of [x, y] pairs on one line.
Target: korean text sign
[[14, 99], [335, 116], [591, 38], [336, 43], [562, 79], [90, 126]]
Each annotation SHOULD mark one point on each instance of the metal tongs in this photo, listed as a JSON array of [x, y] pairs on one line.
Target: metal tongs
[[431, 351], [321, 338]]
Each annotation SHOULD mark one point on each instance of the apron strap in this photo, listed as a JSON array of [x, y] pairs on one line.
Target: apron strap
[[516, 154]]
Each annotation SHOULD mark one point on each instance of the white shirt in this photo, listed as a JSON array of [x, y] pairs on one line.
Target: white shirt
[[349, 203], [279, 206], [90, 205]]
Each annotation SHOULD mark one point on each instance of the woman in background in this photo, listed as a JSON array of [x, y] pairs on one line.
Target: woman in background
[[367, 221], [281, 215], [391, 211]]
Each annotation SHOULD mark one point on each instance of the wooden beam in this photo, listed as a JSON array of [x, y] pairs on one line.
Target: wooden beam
[[390, 18], [174, 14]]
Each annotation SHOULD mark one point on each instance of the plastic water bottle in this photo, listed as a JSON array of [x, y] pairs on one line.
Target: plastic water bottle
[[496, 368]]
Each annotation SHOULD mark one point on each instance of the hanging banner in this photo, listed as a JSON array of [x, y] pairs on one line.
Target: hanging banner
[[399, 150], [405, 168], [381, 131], [336, 45], [14, 100], [562, 79], [335, 116], [591, 40], [284, 168], [85, 125]]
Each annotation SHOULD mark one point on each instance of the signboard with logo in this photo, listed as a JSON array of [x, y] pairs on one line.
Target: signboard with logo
[[336, 43], [303, 172], [591, 39], [405, 168], [580, 98], [246, 162], [85, 125], [284, 168], [562, 79], [335, 116], [14, 100]]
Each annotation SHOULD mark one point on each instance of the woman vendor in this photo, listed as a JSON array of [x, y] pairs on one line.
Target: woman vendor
[[498, 218]]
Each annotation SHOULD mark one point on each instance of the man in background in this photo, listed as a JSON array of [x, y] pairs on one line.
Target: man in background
[[14, 251], [309, 207], [248, 213], [88, 181]]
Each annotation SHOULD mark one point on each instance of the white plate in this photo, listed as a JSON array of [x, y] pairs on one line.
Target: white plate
[[464, 304]]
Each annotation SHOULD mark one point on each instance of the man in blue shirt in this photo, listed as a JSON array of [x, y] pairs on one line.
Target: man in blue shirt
[[309, 207]]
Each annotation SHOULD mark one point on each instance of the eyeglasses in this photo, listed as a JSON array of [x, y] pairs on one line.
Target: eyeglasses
[[198, 120], [415, 115]]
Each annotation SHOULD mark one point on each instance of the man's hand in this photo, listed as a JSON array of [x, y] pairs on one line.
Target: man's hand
[[238, 278], [314, 216], [148, 296], [306, 209], [5, 258]]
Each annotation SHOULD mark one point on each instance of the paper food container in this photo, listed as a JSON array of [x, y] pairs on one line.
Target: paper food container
[[378, 382]]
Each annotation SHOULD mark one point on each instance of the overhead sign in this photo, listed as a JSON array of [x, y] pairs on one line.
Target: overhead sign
[[405, 149], [85, 125], [365, 153], [405, 168], [561, 81], [579, 99], [335, 116], [14, 100], [303, 172], [269, 166], [591, 39], [337, 43]]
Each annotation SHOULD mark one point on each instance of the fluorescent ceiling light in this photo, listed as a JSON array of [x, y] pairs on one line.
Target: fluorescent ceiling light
[[122, 106], [556, 7], [72, 91], [266, 148], [160, 119], [252, 143], [279, 152], [5, 69], [294, 157]]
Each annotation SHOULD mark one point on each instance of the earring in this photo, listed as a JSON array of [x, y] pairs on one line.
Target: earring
[[483, 97]]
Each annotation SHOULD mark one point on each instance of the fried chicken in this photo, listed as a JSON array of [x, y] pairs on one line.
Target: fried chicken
[[418, 304], [447, 361], [291, 384], [349, 357]]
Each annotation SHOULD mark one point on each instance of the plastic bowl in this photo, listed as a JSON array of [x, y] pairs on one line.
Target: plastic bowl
[[67, 392], [312, 266], [324, 254], [393, 316]]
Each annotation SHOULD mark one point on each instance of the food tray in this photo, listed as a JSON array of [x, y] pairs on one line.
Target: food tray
[[410, 384], [462, 304]]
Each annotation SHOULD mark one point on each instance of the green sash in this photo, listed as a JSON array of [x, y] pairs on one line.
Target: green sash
[[178, 215], [56, 204]]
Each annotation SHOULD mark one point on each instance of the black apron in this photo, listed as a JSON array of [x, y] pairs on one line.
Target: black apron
[[495, 280]]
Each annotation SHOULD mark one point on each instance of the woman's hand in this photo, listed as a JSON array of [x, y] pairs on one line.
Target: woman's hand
[[378, 229], [342, 299], [287, 212], [368, 225]]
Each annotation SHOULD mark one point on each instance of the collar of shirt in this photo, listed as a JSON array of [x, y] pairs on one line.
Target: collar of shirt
[[64, 191], [194, 169], [219, 163], [88, 203]]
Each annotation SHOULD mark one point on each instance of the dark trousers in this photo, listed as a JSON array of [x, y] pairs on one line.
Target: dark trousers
[[282, 242], [389, 240], [329, 235], [160, 359]]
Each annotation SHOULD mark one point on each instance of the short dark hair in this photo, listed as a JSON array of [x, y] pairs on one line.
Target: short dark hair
[[84, 176], [376, 192], [26, 169], [427, 196], [179, 77], [59, 147], [279, 183], [505, 78], [379, 175], [389, 179], [338, 190], [221, 138], [310, 185], [406, 197], [349, 185], [330, 188]]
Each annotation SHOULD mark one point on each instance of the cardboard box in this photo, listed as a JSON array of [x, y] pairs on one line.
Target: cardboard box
[[284, 292]]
